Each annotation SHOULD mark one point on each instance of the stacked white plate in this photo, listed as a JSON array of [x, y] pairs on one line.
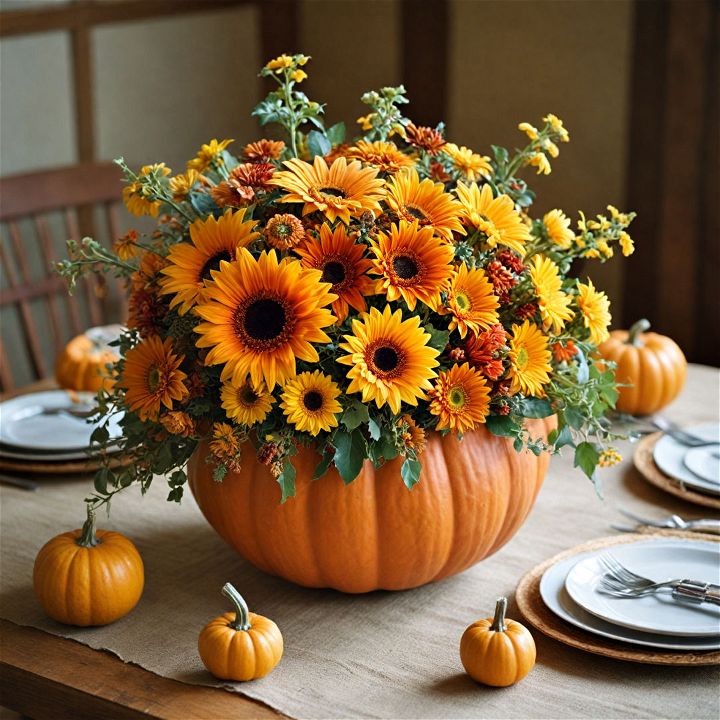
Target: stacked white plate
[[46, 427], [696, 468], [570, 590]]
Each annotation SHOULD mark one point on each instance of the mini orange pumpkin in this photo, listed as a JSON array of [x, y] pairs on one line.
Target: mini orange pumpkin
[[82, 365], [496, 651], [84, 577], [651, 367], [241, 645]]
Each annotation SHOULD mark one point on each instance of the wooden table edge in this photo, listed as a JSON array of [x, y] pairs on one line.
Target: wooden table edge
[[46, 676]]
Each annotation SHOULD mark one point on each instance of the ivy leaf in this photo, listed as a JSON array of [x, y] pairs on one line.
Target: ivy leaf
[[100, 435], [574, 418], [102, 477], [219, 472], [410, 472], [175, 494], [502, 425], [350, 453], [355, 415], [322, 466], [586, 458], [336, 133], [518, 444], [501, 155], [609, 395], [564, 437], [286, 480], [318, 144], [374, 429], [536, 408]]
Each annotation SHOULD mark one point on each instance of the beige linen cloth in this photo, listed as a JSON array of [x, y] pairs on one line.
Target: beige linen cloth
[[384, 655]]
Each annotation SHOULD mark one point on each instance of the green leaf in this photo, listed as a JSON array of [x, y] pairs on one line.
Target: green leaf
[[574, 418], [100, 435], [536, 408], [219, 473], [374, 429], [336, 133], [102, 477], [502, 425], [586, 458], [175, 494], [518, 444], [350, 453], [322, 466], [355, 415], [609, 395], [564, 437], [438, 338], [501, 155], [410, 472], [286, 480], [318, 144]]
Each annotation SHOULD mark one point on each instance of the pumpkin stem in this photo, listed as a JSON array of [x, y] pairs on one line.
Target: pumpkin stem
[[639, 327], [498, 623], [88, 538], [242, 620]]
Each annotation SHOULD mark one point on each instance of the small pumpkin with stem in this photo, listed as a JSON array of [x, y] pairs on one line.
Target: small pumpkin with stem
[[240, 645], [497, 651], [88, 576]]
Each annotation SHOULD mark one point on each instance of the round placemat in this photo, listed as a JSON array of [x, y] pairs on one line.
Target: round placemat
[[645, 464], [73, 467], [539, 616]]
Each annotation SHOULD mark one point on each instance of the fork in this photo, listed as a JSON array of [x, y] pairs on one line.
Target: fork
[[677, 433], [675, 522], [619, 581]]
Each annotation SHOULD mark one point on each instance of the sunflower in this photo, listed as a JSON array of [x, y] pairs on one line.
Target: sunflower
[[343, 190], [191, 264], [413, 263], [390, 359], [310, 402], [471, 301], [426, 201], [529, 360], [284, 232], [552, 301], [557, 224], [208, 154], [261, 315], [495, 217], [341, 261], [263, 151], [595, 308], [245, 403], [382, 155], [460, 399], [468, 163], [151, 377]]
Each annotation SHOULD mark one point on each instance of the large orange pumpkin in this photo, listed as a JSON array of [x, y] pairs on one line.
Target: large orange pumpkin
[[374, 533], [651, 368]]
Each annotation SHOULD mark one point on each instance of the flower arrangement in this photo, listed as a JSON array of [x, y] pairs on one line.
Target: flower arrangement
[[354, 294]]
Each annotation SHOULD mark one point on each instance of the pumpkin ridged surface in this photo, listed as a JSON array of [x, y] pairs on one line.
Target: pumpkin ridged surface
[[375, 533]]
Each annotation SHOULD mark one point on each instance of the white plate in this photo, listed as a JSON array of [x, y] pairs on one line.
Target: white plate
[[89, 454], [705, 463], [556, 598], [23, 425], [669, 453], [659, 560]]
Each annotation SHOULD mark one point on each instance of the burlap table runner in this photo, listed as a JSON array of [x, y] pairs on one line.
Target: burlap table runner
[[389, 655]]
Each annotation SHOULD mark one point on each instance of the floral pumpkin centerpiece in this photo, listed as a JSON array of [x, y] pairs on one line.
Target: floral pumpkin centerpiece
[[360, 353]]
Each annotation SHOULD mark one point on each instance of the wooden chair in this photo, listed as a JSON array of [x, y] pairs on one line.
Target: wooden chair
[[39, 211]]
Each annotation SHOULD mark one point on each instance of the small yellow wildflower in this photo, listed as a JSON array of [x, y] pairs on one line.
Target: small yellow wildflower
[[208, 153], [298, 76], [557, 125], [591, 253], [604, 248], [622, 218], [579, 242], [551, 147], [530, 130], [540, 161], [627, 244], [280, 63], [609, 457], [365, 121]]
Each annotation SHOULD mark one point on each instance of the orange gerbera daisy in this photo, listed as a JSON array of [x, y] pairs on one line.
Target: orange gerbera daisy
[[263, 151], [413, 263], [383, 155], [390, 359], [190, 264], [424, 138], [426, 201], [343, 190], [471, 301], [261, 315], [342, 263], [461, 399], [495, 217], [152, 377]]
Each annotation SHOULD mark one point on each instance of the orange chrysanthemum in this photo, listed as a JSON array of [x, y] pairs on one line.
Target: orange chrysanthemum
[[225, 445], [460, 399], [152, 377], [471, 301], [424, 138], [261, 316], [426, 201], [413, 264], [263, 151], [126, 246], [284, 232], [190, 265], [481, 351], [343, 190], [382, 155], [564, 352], [342, 264], [243, 185], [177, 422]]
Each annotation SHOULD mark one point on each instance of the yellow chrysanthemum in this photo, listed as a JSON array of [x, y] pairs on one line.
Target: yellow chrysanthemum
[[595, 308], [382, 155], [180, 185], [137, 196], [470, 164], [413, 264], [390, 359], [460, 399], [152, 377], [310, 402], [245, 403], [343, 190], [426, 201], [208, 153], [529, 360], [540, 161], [558, 229], [261, 315], [554, 304], [471, 301], [279, 63], [495, 217], [627, 244], [342, 264], [190, 264]]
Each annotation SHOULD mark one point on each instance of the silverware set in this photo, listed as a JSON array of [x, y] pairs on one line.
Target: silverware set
[[673, 522]]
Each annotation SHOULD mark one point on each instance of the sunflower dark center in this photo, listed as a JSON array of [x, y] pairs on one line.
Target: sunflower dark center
[[417, 213], [333, 272], [335, 192], [247, 396], [386, 358], [154, 378], [214, 264], [264, 319], [312, 400], [405, 267]]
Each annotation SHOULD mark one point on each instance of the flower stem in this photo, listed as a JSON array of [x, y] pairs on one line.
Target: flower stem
[[88, 538], [242, 620], [498, 623], [636, 330]]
